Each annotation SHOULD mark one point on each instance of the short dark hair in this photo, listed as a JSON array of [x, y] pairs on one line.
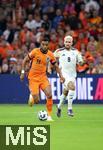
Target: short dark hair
[[45, 38]]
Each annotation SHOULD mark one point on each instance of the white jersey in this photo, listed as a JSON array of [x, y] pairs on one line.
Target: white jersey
[[68, 61]]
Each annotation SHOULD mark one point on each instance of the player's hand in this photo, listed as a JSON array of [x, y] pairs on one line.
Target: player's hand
[[22, 76], [62, 79]]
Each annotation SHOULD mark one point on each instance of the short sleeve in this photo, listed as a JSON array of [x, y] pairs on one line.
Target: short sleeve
[[79, 57], [52, 58], [32, 54], [57, 53]]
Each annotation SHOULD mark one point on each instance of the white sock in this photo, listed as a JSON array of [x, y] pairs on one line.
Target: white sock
[[70, 98], [30, 97], [62, 99]]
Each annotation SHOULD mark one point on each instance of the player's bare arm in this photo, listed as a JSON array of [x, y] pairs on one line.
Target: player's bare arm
[[26, 59], [59, 72]]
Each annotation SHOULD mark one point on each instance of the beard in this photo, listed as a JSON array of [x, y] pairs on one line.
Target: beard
[[44, 51]]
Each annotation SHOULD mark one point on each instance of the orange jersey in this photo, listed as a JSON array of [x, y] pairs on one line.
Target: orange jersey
[[39, 63]]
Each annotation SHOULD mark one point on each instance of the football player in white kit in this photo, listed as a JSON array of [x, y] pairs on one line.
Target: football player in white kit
[[68, 58]]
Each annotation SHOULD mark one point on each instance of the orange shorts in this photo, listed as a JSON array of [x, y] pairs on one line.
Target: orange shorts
[[35, 85]]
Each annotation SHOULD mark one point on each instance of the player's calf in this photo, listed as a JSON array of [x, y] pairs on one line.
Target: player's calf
[[33, 100]]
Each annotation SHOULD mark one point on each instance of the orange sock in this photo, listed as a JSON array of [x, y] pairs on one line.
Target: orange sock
[[49, 105]]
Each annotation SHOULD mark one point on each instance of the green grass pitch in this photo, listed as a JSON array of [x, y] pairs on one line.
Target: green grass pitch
[[84, 131]]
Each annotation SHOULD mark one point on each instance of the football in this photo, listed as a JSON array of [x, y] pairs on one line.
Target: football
[[42, 115]]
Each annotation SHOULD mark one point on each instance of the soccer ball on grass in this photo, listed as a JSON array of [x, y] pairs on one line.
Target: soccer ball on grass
[[42, 115]]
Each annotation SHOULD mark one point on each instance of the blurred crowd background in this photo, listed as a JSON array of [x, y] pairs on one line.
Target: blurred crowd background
[[23, 23]]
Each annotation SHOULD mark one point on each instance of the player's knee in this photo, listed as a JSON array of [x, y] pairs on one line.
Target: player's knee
[[71, 86], [65, 92]]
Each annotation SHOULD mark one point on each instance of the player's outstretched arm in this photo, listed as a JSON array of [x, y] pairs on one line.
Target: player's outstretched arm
[[25, 60]]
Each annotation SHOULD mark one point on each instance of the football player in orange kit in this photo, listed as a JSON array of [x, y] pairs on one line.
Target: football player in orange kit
[[40, 57]]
